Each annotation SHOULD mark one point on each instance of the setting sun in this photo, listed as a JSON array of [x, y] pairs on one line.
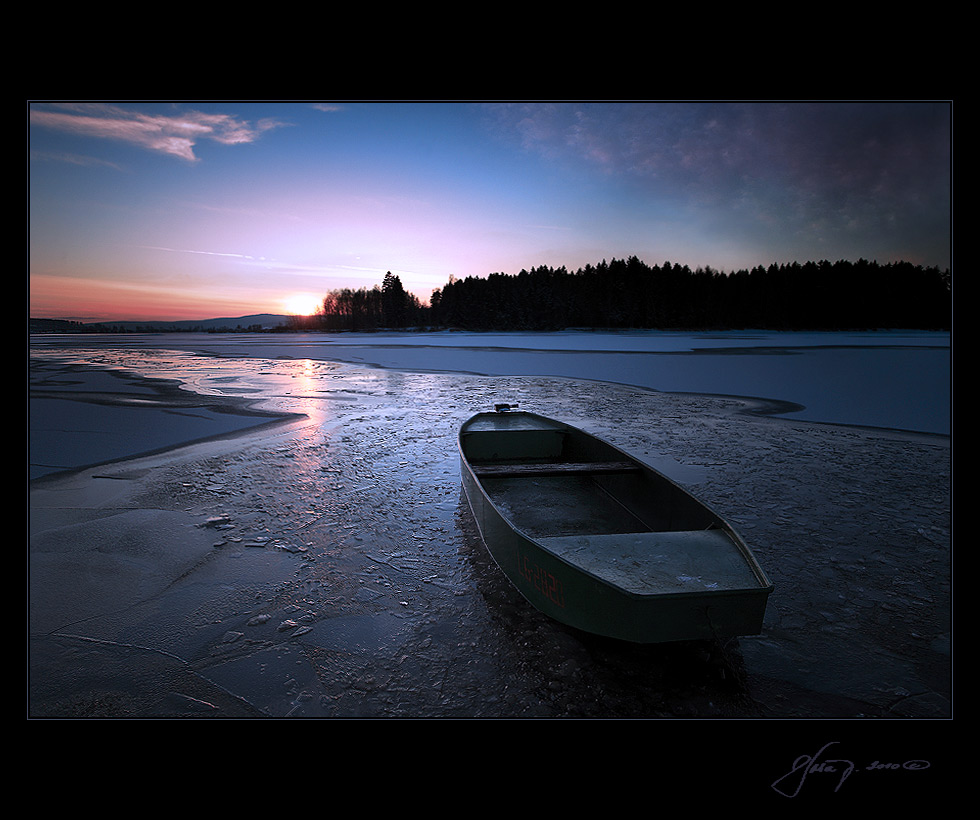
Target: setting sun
[[302, 304]]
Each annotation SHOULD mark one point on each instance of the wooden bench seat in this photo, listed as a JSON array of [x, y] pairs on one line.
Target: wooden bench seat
[[553, 469]]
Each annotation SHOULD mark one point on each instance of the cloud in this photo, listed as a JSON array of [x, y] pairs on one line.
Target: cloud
[[202, 253], [72, 159], [808, 170], [869, 147], [174, 132]]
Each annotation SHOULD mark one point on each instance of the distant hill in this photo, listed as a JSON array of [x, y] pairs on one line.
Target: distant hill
[[258, 321]]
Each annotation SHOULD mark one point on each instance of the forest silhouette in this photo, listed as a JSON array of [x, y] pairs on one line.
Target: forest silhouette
[[617, 295], [628, 293]]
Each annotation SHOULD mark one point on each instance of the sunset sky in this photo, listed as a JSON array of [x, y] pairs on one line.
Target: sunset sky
[[195, 210]]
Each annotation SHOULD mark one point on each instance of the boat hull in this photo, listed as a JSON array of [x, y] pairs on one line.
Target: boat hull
[[601, 542]]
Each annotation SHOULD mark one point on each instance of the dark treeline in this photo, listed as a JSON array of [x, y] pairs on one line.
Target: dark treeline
[[628, 293], [631, 294], [387, 306]]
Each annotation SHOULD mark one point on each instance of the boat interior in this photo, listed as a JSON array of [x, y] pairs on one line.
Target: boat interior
[[555, 480], [586, 501]]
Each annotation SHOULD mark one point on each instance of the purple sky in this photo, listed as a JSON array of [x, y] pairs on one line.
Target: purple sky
[[193, 210]]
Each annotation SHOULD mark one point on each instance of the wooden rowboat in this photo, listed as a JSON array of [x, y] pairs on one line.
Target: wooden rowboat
[[602, 542]]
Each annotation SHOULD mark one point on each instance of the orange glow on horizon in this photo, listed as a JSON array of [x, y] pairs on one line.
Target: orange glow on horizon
[[91, 300]]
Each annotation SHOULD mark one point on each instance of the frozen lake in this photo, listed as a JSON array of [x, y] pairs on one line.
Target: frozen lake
[[898, 380], [326, 564]]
